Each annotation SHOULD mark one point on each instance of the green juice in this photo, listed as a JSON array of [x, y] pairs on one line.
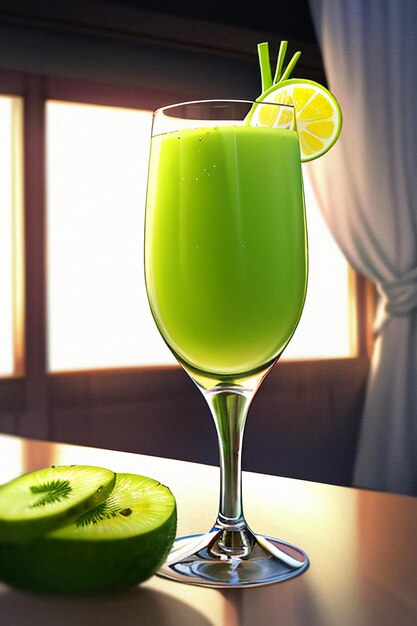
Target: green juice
[[225, 246]]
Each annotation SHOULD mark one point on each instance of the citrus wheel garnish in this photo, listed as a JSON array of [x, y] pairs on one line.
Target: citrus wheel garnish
[[317, 112], [318, 116]]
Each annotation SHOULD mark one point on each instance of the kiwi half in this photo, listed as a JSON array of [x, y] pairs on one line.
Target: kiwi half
[[119, 543], [35, 503]]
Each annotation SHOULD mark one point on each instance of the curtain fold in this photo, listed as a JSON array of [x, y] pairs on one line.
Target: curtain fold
[[367, 189]]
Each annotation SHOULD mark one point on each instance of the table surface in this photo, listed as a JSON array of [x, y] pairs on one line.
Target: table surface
[[362, 547]]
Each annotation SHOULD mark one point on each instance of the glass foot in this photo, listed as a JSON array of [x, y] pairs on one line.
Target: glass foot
[[202, 560]]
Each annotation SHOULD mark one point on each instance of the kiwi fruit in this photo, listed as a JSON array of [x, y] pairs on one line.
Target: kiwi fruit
[[35, 503], [117, 544]]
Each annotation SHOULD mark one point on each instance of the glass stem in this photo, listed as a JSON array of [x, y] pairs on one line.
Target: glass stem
[[229, 407]]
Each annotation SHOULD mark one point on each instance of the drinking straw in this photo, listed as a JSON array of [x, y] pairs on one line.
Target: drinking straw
[[280, 60], [290, 66], [263, 55]]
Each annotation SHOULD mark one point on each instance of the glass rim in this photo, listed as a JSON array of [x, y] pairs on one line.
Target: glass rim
[[221, 101]]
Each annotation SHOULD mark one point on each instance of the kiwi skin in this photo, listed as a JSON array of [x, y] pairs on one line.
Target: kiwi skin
[[54, 566], [59, 565]]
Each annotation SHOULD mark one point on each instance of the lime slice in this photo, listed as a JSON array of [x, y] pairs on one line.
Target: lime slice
[[35, 503], [317, 112], [121, 542]]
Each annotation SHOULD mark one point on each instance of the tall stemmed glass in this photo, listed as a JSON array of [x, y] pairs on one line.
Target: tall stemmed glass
[[226, 273]]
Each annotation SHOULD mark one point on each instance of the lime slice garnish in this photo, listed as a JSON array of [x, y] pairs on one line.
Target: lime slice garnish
[[317, 112]]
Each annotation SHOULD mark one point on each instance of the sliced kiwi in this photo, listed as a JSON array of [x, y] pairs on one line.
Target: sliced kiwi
[[33, 504], [117, 544]]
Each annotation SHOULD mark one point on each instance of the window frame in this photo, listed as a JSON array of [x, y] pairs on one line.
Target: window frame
[[30, 399]]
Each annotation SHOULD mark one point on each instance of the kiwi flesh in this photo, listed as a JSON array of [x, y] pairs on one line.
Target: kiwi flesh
[[38, 502], [119, 543]]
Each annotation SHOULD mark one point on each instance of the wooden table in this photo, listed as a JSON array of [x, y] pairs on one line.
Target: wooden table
[[362, 547]]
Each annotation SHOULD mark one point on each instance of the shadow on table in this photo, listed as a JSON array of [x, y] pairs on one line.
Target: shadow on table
[[137, 606]]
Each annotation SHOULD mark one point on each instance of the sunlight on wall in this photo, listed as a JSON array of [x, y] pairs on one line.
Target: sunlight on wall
[[98, 314]]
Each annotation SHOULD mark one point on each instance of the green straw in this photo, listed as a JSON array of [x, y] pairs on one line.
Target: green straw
[[263, 55], [280, 60], [290, 66]]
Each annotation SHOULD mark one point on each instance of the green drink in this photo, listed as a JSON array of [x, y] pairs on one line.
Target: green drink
[[225, 249], [226, 272]]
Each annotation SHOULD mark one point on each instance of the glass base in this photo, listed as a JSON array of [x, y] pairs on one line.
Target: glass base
[[198, 560]]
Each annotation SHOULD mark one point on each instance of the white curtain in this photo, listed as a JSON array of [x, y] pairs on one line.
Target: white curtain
[[367, 188]]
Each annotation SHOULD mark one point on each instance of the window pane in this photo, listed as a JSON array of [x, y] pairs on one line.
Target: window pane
[[97, 159], [324, 328], [10, 235], [98, 314]]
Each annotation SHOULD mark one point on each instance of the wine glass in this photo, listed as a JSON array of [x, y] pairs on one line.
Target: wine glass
[[226, 274]]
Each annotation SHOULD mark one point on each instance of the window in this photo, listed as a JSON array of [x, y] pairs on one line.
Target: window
[[97, 308], [73, 371], [97, 160], [11, 291], [325, 329]]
